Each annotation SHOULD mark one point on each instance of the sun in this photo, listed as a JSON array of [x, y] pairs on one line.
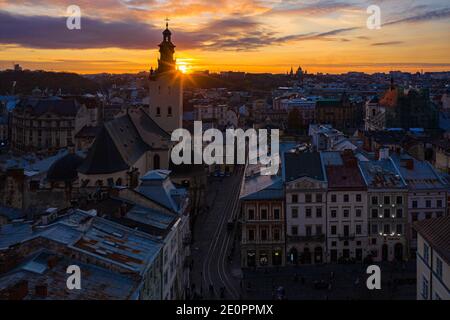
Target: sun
[[183, 68]]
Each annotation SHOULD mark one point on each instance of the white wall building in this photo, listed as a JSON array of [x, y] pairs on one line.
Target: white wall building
[[433, 259]]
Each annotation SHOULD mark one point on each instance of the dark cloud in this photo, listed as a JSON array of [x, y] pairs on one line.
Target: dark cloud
[[423, 17], [237, 34], [51, 33], [390, 43]]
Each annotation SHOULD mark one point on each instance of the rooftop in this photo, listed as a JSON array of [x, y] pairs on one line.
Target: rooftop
[[37, 272], [297, 165], [381, 174], [436, 232]]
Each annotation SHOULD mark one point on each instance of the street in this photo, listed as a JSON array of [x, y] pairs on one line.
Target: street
[[215, 249]]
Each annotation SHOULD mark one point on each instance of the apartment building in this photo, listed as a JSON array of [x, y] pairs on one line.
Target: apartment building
[[305, 191], [347, 232], [387, 210]]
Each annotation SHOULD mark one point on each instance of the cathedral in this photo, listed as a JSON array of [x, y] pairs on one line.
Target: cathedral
[[166, 87], [130, 145]]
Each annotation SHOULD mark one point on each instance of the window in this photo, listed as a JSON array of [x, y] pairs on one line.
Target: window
[[294, 213], [374, 242], [358, 198], [263, 214], [439, 203], [358, 229], [374, 200], [424, 288], [374, 213], [294, 230], [308, 198], [276, 235], [414, 216], [358, 213], [333, 213], [399, 200], [251, 214], [399, 229], [333, 230], [319, 230], [308, 212], [169, 111], [428, 215], [374, 228], [319, 212], [294, 198], [346, 230], [414, 204], [399, 213], [346, 198], [346, 213], [276, 214], [333, 243], [333, 198], [387, 200], [264, 234], [158, 111], [428, 203], [251, 235], [387, 229], [426, 252], [387, 213], [319, 197], [439, 268], [308, 231]]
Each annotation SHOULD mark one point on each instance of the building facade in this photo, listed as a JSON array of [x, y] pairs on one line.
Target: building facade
[[305, 189], [387, 211], [262, 218], [433, 259], [346, 212]]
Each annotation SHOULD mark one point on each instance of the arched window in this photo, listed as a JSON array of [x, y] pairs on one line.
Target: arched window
[[156, 162]]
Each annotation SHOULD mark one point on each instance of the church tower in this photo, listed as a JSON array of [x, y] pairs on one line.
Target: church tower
[[166, 87]]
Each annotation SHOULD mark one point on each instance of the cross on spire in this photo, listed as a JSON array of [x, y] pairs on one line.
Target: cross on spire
[[167, 22]]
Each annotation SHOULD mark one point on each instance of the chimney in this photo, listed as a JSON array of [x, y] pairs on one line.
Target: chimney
[[383, 153], [410, 164], [41, 291], [349, 159], [123, 210]]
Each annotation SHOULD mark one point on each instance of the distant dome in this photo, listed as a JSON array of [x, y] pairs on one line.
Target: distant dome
[[65, 169]]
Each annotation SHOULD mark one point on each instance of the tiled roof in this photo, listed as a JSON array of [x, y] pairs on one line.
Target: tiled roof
[[436, 232], [345, 177]]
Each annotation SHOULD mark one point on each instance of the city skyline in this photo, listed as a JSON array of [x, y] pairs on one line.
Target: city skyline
[[265, 36]]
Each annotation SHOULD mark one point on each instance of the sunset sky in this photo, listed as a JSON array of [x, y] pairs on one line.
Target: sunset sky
[[121, 36]]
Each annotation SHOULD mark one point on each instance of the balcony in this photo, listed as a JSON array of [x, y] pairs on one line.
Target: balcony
[[311, 238], [346, 237]]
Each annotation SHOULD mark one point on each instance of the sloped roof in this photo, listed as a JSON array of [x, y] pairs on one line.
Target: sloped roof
[[103, 157], [297, 165], [65, 169], [262, 188], [436, 232], [62, 107], [122, 142]]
